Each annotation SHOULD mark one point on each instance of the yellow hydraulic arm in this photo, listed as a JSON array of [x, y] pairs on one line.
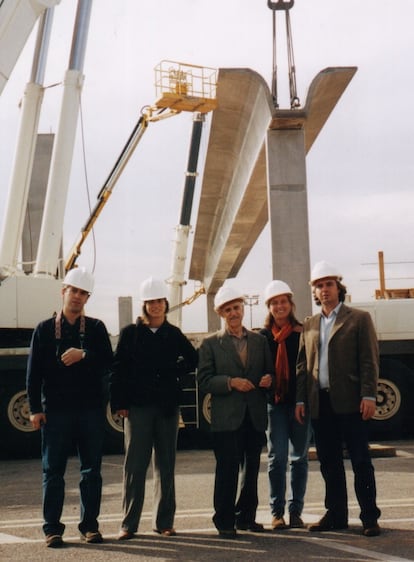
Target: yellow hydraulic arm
[[181, 87], [107, 188]]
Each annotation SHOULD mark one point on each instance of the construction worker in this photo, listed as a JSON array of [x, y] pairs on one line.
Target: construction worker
[[69, 361], [150, 358], [235, 366]]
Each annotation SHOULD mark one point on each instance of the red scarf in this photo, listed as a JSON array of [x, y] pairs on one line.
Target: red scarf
[[282, 362]]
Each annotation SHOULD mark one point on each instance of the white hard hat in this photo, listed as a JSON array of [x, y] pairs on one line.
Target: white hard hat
[[276, 288], [323, 269], [152, 289], [227, 294], [80, 278]]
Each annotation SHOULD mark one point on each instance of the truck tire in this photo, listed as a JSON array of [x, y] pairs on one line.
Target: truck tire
[[205, 417], [392, 398], [114, 433], [18, 413], [20, 440]]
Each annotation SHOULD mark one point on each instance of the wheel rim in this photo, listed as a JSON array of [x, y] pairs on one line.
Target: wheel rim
[[115, 421], [18, 412], [388, 400], [207, 408]]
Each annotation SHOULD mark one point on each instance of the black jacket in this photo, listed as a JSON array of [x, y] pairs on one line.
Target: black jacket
[[50, 385], [147, 367]]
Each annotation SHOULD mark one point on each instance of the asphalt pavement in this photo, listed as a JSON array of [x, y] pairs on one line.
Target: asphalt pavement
[[21, 537]]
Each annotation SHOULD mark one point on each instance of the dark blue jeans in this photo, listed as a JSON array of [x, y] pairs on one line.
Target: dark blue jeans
[[63, 431]]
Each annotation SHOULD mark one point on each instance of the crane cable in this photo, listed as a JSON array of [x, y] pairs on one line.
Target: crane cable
[[294, 100], [274, 61]]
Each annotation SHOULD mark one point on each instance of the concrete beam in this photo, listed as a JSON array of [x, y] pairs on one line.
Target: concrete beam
[[234, 199], [227, 219]]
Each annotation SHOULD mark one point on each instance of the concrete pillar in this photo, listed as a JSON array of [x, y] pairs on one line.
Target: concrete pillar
[[124, 311], [213, 319], [288, 214], [36, 199]]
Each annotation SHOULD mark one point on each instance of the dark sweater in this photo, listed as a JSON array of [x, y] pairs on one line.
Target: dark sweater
[[147, 367], [50, 385]]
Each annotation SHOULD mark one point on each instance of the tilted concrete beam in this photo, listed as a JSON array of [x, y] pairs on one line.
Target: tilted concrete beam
[[233, 206]]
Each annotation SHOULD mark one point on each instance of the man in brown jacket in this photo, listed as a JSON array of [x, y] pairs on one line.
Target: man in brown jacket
[[337, 373]]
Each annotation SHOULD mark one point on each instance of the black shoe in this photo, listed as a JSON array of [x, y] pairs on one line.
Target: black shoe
[[327, 523], [371, 529], [227, 533], [125, 535], [253, 527], [295, 521]]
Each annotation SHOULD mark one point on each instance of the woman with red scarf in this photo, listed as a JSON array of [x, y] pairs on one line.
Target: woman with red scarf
[[287, 440]]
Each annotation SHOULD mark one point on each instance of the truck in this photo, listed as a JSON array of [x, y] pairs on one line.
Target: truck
[[392, 312], [29, 291], [394, 322]]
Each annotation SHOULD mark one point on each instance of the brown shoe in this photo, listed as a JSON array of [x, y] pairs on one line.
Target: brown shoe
[[54, 541], [93, 537], [371, 529], [295, 521], [278, 523]]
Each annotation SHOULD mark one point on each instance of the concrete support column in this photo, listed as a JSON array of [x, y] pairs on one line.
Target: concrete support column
[[288, 214], [213, 319], [124, 311]]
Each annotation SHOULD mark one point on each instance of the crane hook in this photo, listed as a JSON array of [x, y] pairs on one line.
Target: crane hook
[[280, 4]]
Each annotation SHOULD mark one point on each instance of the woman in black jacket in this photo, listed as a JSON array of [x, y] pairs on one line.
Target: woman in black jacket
[[149, 360]]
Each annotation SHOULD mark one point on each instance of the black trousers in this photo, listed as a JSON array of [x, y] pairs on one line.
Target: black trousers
[[331, 431], [237, 452]]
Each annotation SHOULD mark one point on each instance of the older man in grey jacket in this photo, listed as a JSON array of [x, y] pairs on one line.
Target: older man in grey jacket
[[235, 366], [337, 373]]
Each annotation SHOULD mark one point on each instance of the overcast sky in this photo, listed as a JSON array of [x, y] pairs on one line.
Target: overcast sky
[[360, 170]]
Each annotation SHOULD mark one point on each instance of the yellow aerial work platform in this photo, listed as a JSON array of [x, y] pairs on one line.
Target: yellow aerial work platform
[[180, 87], [185, 87]]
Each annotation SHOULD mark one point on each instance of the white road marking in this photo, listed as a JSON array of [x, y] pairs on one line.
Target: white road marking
[[10, 539], [381, 557]]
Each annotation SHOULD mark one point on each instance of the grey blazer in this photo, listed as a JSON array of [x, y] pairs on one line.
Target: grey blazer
[[353, 361], [219, 360]]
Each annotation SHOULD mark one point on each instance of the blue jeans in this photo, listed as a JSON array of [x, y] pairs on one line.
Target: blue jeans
[[63, 430], [287, 440]]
